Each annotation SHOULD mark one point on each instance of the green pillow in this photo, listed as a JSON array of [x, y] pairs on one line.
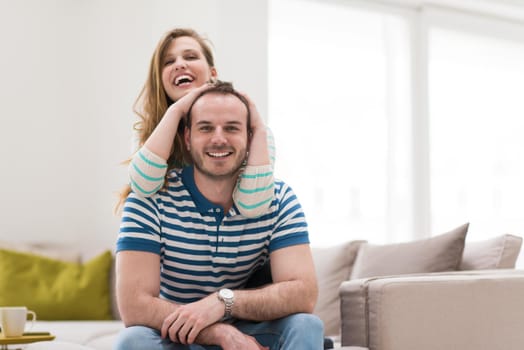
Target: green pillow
[[55, 289]]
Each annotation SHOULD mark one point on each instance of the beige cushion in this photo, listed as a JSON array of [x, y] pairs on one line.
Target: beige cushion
[[496, 253], [333, 266], [435, 254], [50, 250]]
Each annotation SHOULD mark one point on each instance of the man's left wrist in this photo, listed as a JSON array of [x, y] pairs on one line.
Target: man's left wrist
[[227, 296]]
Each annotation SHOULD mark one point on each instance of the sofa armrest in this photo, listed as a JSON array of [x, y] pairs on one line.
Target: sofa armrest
[[455, 310]]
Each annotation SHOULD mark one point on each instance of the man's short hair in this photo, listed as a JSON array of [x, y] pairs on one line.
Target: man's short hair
[[225, 88]]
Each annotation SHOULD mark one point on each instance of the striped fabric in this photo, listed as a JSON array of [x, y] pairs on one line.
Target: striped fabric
[[252, 196], [201, 248], [147, 172], [254, 191]]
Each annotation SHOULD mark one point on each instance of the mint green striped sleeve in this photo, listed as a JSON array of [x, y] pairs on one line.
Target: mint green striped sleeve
[[147, 172], [255, 188]]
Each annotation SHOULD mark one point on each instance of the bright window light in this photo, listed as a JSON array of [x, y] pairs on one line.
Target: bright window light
[[476, 131], [391, 122], [332, 71]]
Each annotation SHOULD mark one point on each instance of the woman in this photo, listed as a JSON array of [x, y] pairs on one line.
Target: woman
[[183, 65]]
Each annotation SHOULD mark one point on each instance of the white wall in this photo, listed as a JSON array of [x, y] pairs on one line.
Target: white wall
[[70, 71]]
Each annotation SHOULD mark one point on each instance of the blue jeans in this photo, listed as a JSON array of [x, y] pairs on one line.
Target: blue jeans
[[298, 331]]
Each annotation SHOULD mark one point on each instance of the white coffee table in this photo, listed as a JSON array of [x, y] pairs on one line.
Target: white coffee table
[[55, 345]]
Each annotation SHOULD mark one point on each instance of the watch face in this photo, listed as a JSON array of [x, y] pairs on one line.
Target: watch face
[[226, 293]]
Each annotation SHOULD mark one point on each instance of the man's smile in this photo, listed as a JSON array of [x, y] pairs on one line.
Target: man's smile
[[219, 154]]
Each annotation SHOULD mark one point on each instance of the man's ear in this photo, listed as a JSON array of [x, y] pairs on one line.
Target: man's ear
[[187, 137], [249, 139]]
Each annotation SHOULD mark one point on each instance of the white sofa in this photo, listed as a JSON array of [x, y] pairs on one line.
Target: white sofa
[[99, 335], [355, 265], [463, 310]]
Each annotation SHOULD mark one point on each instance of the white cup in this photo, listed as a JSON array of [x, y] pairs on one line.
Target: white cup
[[13, 320]]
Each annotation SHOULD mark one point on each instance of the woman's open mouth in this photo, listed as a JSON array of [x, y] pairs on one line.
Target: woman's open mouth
[[184, 79]]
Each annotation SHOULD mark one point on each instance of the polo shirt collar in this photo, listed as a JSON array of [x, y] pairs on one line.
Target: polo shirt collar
[[202, 204]]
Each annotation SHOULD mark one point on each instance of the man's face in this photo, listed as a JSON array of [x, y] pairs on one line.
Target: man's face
[[218, 138]]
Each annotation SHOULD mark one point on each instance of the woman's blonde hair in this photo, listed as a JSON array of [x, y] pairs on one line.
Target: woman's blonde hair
[[153, 101]]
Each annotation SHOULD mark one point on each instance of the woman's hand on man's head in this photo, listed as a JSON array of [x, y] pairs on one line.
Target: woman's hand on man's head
[[181, 106]]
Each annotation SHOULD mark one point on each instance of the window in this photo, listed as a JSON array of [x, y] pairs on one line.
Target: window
[[393, 123], [476, 82]]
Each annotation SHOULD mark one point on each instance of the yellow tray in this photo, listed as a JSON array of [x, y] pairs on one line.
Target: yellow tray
[[26, 338]]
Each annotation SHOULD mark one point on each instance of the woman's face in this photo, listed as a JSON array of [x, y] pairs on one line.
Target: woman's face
[[184, 67]]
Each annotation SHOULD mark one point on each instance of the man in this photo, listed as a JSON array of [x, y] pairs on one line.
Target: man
[[185, 254]]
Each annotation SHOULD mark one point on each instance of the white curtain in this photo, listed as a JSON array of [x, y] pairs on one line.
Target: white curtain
[[393, 123]]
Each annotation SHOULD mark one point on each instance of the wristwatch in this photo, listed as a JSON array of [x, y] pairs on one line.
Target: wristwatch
[[228, 298]]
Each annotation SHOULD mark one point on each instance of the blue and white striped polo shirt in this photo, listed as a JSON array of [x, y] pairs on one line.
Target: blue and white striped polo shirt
[[201, 248]]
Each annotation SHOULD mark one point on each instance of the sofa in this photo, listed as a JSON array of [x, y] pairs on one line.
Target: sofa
[[435, 293], [458, 310]]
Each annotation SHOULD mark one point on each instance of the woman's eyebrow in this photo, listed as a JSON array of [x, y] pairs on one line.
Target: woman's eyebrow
[[170, 55]]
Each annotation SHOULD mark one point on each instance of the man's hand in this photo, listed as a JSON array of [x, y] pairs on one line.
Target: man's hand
[[243, 342], [231, 338], [187, 321]]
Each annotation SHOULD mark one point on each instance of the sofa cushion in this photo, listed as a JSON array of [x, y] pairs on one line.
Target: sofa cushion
[[439, 253], [55, 289], [99, 335], [496, 253], [333, 266], [51, 250]]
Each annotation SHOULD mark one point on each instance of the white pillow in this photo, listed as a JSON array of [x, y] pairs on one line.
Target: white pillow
[[496, 253], [57, 251]]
